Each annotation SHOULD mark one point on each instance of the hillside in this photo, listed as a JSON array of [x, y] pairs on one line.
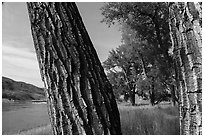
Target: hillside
[[20, 90]]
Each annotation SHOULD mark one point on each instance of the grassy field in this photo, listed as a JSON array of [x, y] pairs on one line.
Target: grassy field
[[22, 116], [141, 120], [158, 120], [43, 130]]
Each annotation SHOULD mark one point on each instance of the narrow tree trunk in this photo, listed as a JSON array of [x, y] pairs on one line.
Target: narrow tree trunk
[[132, 95], [80, 98], [152, 92], [185, 26]]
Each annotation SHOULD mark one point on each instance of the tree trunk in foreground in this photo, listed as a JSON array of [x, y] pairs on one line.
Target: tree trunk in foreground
[[186, 34], [80, 98]]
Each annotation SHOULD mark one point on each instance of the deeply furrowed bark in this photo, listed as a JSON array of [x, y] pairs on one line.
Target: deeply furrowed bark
[[186, 34], [80, 98]]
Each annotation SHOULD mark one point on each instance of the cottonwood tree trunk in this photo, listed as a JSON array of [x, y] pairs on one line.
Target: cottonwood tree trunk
[[152, 92], [132, 95], [186, 34], [80, 98]]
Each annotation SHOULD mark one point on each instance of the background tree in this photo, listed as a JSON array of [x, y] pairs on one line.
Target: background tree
[[134, 60], [148, 21], [80, 97], [123, 62], [185, 23]]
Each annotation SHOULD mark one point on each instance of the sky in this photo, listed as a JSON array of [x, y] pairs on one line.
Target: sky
[[19, 61]]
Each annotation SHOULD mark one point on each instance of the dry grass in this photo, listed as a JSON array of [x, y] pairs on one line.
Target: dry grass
[[149, 120], [42, 130], [143, 120]]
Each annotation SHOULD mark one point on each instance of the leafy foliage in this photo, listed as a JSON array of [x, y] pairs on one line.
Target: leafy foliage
[[149, 20], [144, 52], [123, 65], [141, 16]]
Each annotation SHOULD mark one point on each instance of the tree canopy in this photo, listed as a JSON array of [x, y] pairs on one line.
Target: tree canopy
[[146, 41]]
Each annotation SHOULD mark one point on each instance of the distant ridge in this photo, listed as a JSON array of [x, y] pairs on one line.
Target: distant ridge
[[16, 90]]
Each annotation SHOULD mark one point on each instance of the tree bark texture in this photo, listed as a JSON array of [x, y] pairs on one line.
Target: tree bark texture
[[186, 34], [80, 97]]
